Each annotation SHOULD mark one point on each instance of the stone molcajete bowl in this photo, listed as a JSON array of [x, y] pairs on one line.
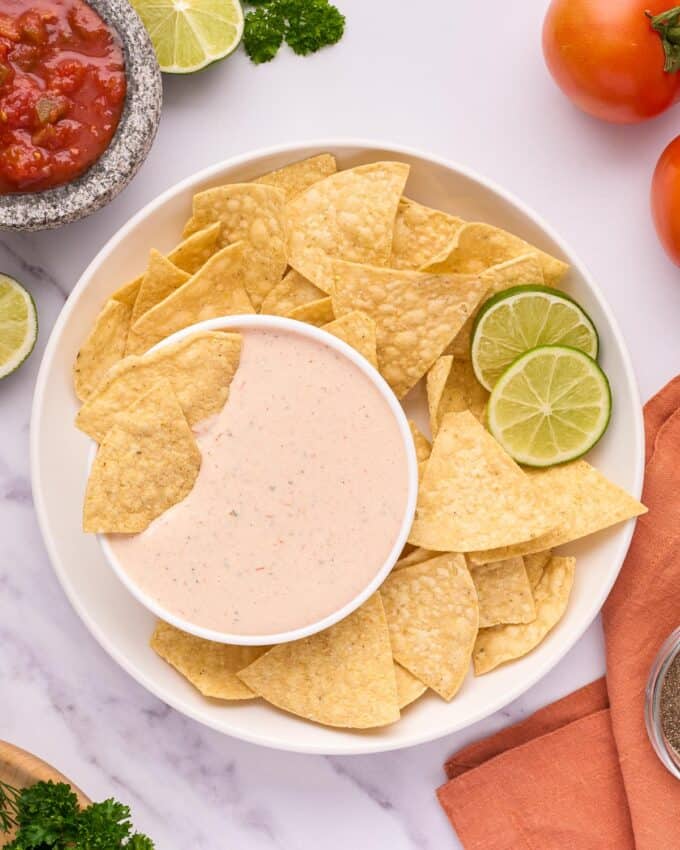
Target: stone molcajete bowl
[[129, 146]]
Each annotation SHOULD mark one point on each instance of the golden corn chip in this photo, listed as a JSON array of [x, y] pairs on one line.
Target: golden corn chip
[[349, 215], [293, 291], [416, 314], [415, 556], [433, 616], [535, 564], [520, 271], [217, 289], [472, 491], [420, 234], [160, 279], [452, 387], [210, 667], [316, 313], [127, 294], [478, 246], [504, 593], [104, 346], [578, 500], [358, 330], [409, 689], [298, 176], [147, 462], [200, 369], [422, 444], [253, 214], [343, 676], [499, 644]]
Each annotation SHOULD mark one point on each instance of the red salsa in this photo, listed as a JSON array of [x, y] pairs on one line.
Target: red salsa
[[62, 91]]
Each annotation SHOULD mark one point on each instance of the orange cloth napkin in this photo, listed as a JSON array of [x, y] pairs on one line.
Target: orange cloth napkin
[[581, 774]]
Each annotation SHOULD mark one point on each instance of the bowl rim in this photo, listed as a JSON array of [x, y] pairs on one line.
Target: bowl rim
[[360, 745], [257, 321]]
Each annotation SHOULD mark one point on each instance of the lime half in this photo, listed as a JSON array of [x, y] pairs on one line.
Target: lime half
[[521, 318], [551, 406], [18, 325], [187, 35]]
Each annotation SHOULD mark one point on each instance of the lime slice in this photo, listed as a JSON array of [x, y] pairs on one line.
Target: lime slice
[[521, 318], [18, 325], [187, 35], [551, 406]]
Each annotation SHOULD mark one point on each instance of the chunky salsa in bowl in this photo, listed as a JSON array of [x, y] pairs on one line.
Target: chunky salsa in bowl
[[79, 105]]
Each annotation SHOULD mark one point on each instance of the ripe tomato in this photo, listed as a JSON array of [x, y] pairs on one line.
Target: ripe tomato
[[607, 56], [666, 199]]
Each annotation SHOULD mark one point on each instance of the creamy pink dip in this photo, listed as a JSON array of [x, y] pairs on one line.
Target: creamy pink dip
[[299, 500]]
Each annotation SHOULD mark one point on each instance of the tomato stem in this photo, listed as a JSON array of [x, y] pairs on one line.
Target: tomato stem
[[667, 24]]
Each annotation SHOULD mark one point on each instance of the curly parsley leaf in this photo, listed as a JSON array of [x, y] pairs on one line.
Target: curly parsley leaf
[[263, 33], [306, 26]]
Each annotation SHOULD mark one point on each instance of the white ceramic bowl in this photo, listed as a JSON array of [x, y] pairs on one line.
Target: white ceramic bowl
[[275, 323], [122, 626]]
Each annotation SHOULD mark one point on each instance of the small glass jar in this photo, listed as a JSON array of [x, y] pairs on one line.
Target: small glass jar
[[657, 675]]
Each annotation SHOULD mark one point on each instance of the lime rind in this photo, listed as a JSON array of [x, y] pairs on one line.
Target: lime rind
[[524, 317], [18, 325], [540, 426]]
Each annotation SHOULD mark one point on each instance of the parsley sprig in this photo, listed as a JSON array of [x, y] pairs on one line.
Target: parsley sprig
[[47, 817], [305, 25]]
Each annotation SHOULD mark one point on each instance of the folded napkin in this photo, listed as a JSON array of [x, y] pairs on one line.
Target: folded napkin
[[580, 774]]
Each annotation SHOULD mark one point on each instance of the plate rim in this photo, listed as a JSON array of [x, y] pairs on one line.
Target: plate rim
[[361, 745]]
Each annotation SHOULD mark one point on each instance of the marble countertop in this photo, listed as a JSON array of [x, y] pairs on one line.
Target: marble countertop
[[431, 79]]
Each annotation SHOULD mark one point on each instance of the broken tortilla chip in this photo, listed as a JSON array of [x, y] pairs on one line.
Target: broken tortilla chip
[[472, 491], [210, 667], [478, 246], [504, 593], [293, 291], [499, 644], [160, 279], [358, 330], [349, 215], [104, 346], [452, 387], [200, 369], [409, 689], [420, 441], [298, 176], [147, 462], [343, 676], [578, 500], [535, 564], [215, 290], [420, 234], [433, 616], [416, 314], [416, 556], [317, 313]]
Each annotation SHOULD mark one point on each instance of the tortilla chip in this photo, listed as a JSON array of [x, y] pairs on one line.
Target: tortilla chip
[[478, 246], [210, 667], [499, 644], [127, 294], [420, 234], [343, 676], [293, 291], [422, 444], [433, 617], [316, 313], [416, 314], [534, 565], [409, 689], [517, 272], [104, 346], [147, 462], [452, 387], [473, 491], [504, 593], [349, 215], [217, 289], [200, 369], [416, 556], [578, 500], [160, 279], [358, 330], [252, 214], [295, 178]]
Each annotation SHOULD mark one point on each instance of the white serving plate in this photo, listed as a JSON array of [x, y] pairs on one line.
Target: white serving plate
[[59, 458]]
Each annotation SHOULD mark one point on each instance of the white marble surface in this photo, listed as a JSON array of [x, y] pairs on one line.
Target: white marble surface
[[442, 76]]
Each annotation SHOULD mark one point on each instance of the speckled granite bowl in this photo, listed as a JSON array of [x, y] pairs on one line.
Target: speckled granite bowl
[[129, 146]]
